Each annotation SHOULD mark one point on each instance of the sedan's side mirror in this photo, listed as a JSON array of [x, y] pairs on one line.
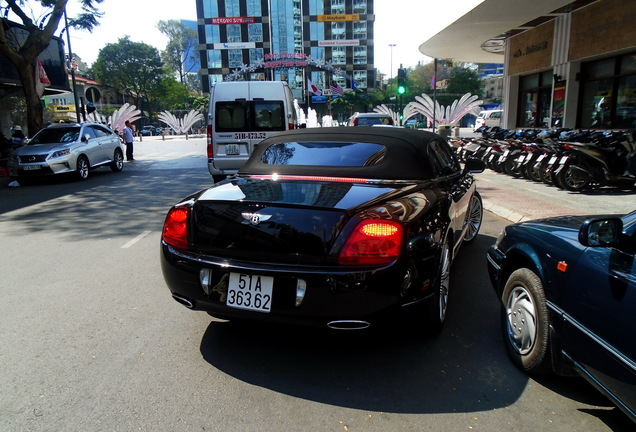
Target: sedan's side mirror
[[86, 137], [601, 232], [474, 165]]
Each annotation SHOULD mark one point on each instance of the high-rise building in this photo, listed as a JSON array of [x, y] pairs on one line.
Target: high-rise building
[[328, 42]]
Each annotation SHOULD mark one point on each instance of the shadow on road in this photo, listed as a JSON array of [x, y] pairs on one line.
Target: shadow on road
[[464, 369]]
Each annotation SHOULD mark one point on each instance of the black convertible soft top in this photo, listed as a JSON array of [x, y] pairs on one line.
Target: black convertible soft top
[[406, 154]]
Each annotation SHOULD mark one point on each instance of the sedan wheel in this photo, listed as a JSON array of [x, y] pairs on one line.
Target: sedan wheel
[[82, 168], [474, 218], [118, 161], [436, 313], [525, 321]]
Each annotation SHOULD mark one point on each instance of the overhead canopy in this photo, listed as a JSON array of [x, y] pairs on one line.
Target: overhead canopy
[[479, 35]]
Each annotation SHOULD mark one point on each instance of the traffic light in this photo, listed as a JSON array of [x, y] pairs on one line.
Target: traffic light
[[401, 81]]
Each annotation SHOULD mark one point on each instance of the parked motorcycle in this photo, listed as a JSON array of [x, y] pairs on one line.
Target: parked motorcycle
[[611, 163]]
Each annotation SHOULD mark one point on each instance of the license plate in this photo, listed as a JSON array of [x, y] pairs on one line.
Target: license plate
[[564, 159], [251, 292], [232, 149], [31, 167], [553, 159], [540, 158]]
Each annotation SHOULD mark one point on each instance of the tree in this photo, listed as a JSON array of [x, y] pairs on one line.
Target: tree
[[134, 68], [464, 80], [181, 48], [23, 57]]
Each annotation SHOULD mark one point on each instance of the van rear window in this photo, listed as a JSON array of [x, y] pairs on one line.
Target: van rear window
[[246, 116]]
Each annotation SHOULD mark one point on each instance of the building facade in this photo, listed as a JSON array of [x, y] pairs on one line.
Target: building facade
[[566, 63], [329, 42]]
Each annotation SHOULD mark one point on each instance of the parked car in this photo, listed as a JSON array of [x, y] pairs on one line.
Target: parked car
[[67, 149], [567, 287], [328, 227], [490, 118], [150, 130], [370, 119]]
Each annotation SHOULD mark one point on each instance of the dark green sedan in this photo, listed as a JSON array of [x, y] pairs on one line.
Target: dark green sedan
[[567, 288]]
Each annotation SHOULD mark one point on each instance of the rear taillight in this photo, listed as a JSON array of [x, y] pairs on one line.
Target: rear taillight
[[175, 227], [291, 126], [210, 143], [372, 242]]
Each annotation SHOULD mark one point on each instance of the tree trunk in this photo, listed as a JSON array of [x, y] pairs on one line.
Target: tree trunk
[[35, 109]]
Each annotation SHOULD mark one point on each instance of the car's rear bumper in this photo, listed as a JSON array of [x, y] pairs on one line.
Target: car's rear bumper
[[365, 296]]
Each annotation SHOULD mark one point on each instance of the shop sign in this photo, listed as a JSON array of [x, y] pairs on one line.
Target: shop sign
[[338, 43], [343, 17], [234, 45], [230, 20]]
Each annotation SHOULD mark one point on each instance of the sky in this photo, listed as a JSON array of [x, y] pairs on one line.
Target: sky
[[405, 23]]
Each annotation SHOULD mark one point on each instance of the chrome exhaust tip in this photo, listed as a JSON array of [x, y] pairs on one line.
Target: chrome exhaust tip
[[184, 301], [348, 325]]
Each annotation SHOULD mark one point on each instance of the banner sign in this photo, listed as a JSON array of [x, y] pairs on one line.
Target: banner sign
[[338, 43], [230, 20], [285, 60], [234, 45], [343, 17], [319, 99]]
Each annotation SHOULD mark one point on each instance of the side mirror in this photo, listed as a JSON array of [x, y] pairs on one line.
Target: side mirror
[[473, 165], [601, 232], [86, 137]]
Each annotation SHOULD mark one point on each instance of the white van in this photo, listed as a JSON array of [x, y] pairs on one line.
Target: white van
[[489, 118], [241, 115]]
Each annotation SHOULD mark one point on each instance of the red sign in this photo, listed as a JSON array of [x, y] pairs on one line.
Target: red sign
[[231, 20]]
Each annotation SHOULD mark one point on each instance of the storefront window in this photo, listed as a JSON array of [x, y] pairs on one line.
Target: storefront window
[[608, 93], [534, 100]]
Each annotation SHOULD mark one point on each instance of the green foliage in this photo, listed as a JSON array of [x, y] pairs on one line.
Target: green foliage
[[23, 57], [464, 80], [132, 67]]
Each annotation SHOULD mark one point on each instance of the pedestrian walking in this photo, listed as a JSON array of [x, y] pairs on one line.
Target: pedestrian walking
[[128, 140], [18, 138]]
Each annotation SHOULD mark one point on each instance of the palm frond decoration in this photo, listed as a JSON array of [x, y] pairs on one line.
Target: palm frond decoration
[[180, 125]]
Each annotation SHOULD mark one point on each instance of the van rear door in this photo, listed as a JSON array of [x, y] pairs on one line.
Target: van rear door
[[242, 122]]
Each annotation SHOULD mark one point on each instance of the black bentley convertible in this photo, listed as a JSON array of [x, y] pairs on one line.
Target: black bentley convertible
[[333, 227]]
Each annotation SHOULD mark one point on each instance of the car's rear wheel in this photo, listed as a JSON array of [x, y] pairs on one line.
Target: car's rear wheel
[[474, 218], [81, 168], [436, 313], [525, 322], [118, 161]]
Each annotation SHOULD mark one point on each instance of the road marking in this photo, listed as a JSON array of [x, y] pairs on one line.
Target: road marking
[[136, 239]]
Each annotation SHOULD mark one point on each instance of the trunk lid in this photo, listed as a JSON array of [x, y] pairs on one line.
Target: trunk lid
[[294, 222]]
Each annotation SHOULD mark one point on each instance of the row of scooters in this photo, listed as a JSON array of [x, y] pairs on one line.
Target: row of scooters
[[575, 160]]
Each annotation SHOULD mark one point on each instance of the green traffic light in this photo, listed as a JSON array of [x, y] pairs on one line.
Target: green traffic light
[[401, 90]]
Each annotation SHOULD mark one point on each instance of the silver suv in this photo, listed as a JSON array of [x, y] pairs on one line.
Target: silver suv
[[67, 148]]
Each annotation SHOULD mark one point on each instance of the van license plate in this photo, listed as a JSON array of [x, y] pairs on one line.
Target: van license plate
[[232, 149], [251, 292]]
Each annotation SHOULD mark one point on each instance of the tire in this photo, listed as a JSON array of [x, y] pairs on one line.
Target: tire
[[436, 312], [474, 218], [571, 181], [118, 161], [81, 168], [525, 322], [534, 172]]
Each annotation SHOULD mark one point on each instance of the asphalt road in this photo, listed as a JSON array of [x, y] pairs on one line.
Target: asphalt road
[[92, 340]]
